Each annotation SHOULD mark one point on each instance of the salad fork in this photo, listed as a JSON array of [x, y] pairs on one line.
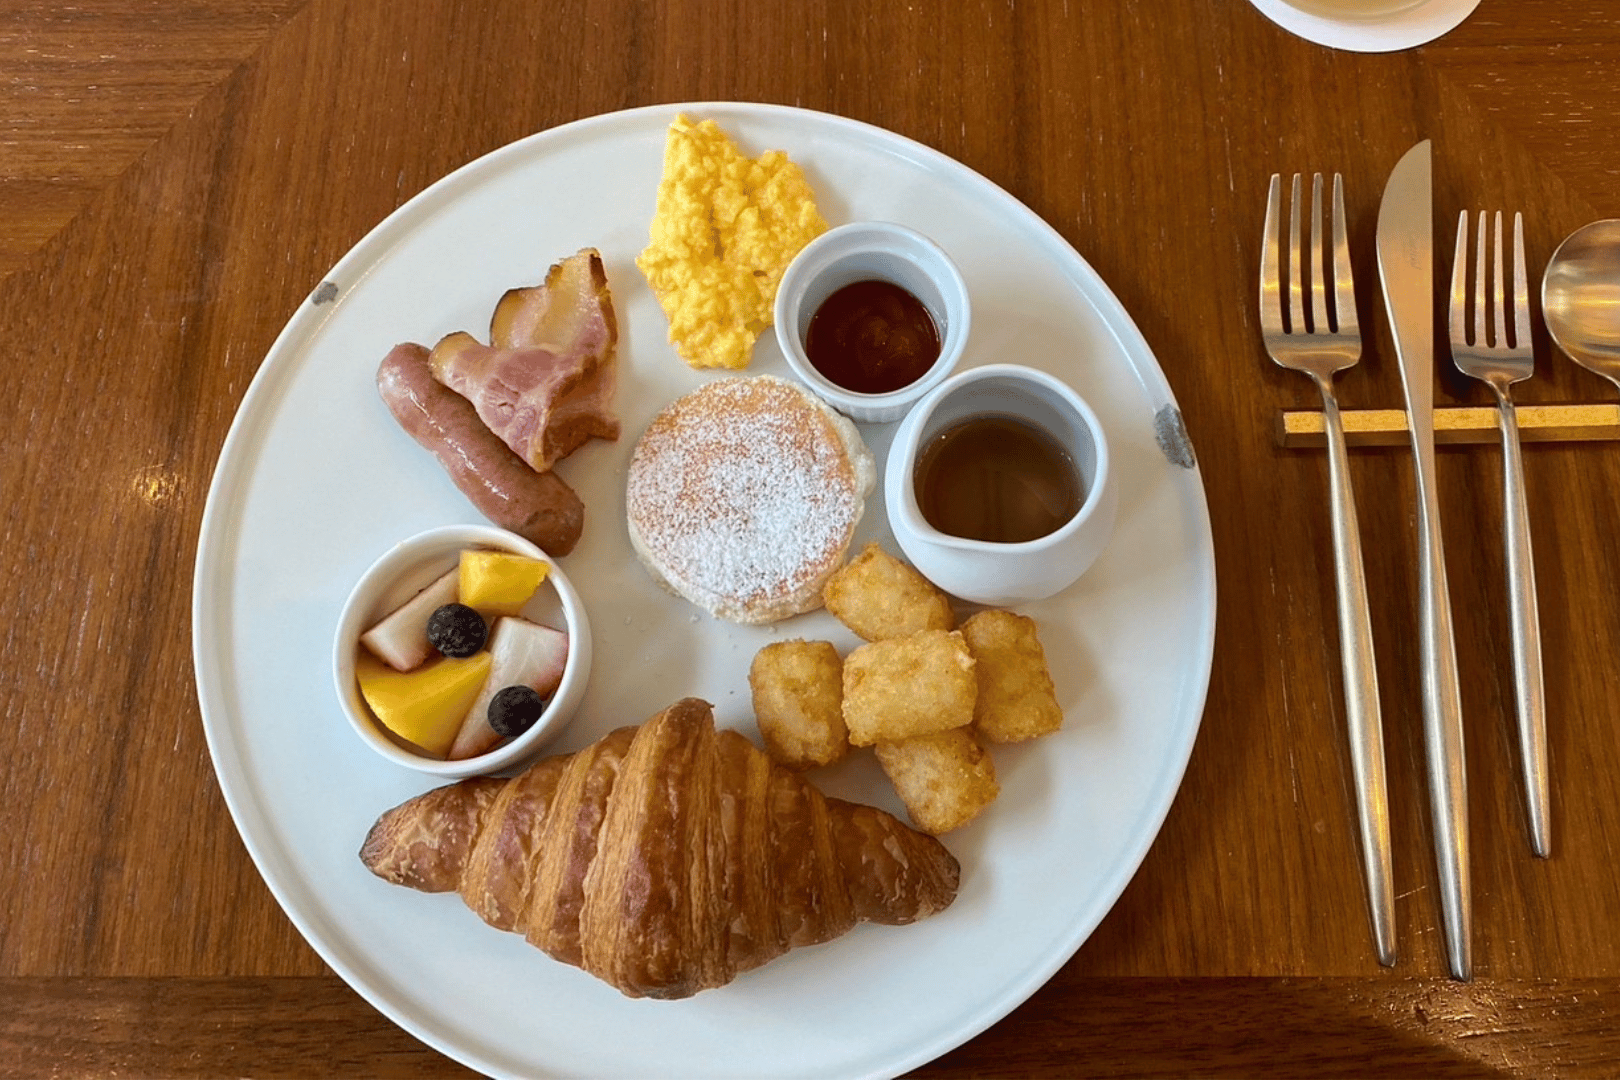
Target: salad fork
[[1499, 355], [1304, 332]]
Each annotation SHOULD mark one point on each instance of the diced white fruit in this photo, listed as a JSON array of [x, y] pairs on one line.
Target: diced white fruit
[[521, 653], [400, 640]]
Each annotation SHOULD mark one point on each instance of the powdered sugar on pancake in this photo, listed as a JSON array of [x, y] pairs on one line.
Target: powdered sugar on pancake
[[743, 497]]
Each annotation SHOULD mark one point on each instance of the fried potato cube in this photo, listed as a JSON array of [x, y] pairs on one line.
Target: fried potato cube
[[914, 685], [798, 702], [945, 779], [878, 596], [1017, 700]]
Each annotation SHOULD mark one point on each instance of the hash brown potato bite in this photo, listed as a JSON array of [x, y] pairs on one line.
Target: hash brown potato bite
[[1016, 699], [945, 779], [878, 596], [798, 702], [914, 685]]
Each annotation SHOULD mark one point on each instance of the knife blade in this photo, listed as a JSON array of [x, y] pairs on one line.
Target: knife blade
[[1406, 268]]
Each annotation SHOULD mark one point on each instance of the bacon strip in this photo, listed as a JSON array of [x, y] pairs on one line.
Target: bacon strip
[[545, 383]]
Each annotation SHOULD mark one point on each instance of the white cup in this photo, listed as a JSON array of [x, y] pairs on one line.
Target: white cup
[[865, 251], [988, 572]]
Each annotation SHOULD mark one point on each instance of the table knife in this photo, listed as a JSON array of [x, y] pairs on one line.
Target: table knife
[[1406, 267]]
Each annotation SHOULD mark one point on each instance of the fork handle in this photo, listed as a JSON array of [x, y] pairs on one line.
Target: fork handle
[[1529, 691], [1362, 711]]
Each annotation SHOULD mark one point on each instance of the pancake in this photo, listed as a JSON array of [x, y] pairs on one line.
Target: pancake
[[743, 497]]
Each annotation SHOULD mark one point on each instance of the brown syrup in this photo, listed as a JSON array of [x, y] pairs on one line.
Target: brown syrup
[[872, 337], [997, 478]]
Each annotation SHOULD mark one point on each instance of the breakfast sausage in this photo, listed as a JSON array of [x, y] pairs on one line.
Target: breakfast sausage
[[539, 506]]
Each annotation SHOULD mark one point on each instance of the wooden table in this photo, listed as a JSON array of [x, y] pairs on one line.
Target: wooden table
[[175, 179]]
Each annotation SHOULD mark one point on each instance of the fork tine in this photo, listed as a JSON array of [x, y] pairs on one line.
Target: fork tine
[[1296, 298], [1270, 272], [1499, 310], [1521, 288], [1318, 259], [1481, 300], [1344, 290]]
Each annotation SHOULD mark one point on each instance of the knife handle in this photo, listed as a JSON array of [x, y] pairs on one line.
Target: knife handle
[[1362, 714], [1442, 724]]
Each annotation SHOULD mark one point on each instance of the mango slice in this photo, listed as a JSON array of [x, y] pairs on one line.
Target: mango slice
[[498, 582], [424, 706]]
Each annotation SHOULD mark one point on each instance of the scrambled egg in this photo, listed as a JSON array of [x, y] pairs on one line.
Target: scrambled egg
[[726, 228]]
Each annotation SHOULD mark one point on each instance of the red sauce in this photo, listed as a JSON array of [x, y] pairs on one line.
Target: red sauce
[[872, 337], [996, 478]]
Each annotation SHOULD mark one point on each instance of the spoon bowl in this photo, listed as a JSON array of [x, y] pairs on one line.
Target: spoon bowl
[[1580, 297]]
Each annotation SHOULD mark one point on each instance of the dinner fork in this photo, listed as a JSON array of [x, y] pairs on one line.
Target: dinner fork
[[1499, 355], [1304, 332]]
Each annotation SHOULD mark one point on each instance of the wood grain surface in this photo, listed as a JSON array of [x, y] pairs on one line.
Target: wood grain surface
[[175, 179]]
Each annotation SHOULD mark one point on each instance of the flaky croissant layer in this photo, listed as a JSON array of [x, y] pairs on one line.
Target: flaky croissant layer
[[664, 859]]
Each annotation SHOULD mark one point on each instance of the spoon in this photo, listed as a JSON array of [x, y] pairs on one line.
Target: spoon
[[1580, 297]]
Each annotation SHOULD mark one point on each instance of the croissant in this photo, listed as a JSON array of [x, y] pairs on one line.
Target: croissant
[[664, 859]]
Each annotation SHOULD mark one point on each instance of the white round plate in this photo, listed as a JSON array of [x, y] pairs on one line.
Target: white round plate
[[1405, 29], [315, 480]]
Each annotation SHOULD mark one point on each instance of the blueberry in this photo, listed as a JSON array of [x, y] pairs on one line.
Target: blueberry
[[513, 710], [457, 630]]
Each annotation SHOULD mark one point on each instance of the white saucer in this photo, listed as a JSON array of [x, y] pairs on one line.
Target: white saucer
[[1388, 33]]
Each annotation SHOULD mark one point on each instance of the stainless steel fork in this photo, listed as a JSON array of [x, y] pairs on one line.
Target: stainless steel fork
[[1304, 332], [1499, 355]]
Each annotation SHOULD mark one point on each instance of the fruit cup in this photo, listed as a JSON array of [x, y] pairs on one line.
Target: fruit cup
[[404, 571]]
